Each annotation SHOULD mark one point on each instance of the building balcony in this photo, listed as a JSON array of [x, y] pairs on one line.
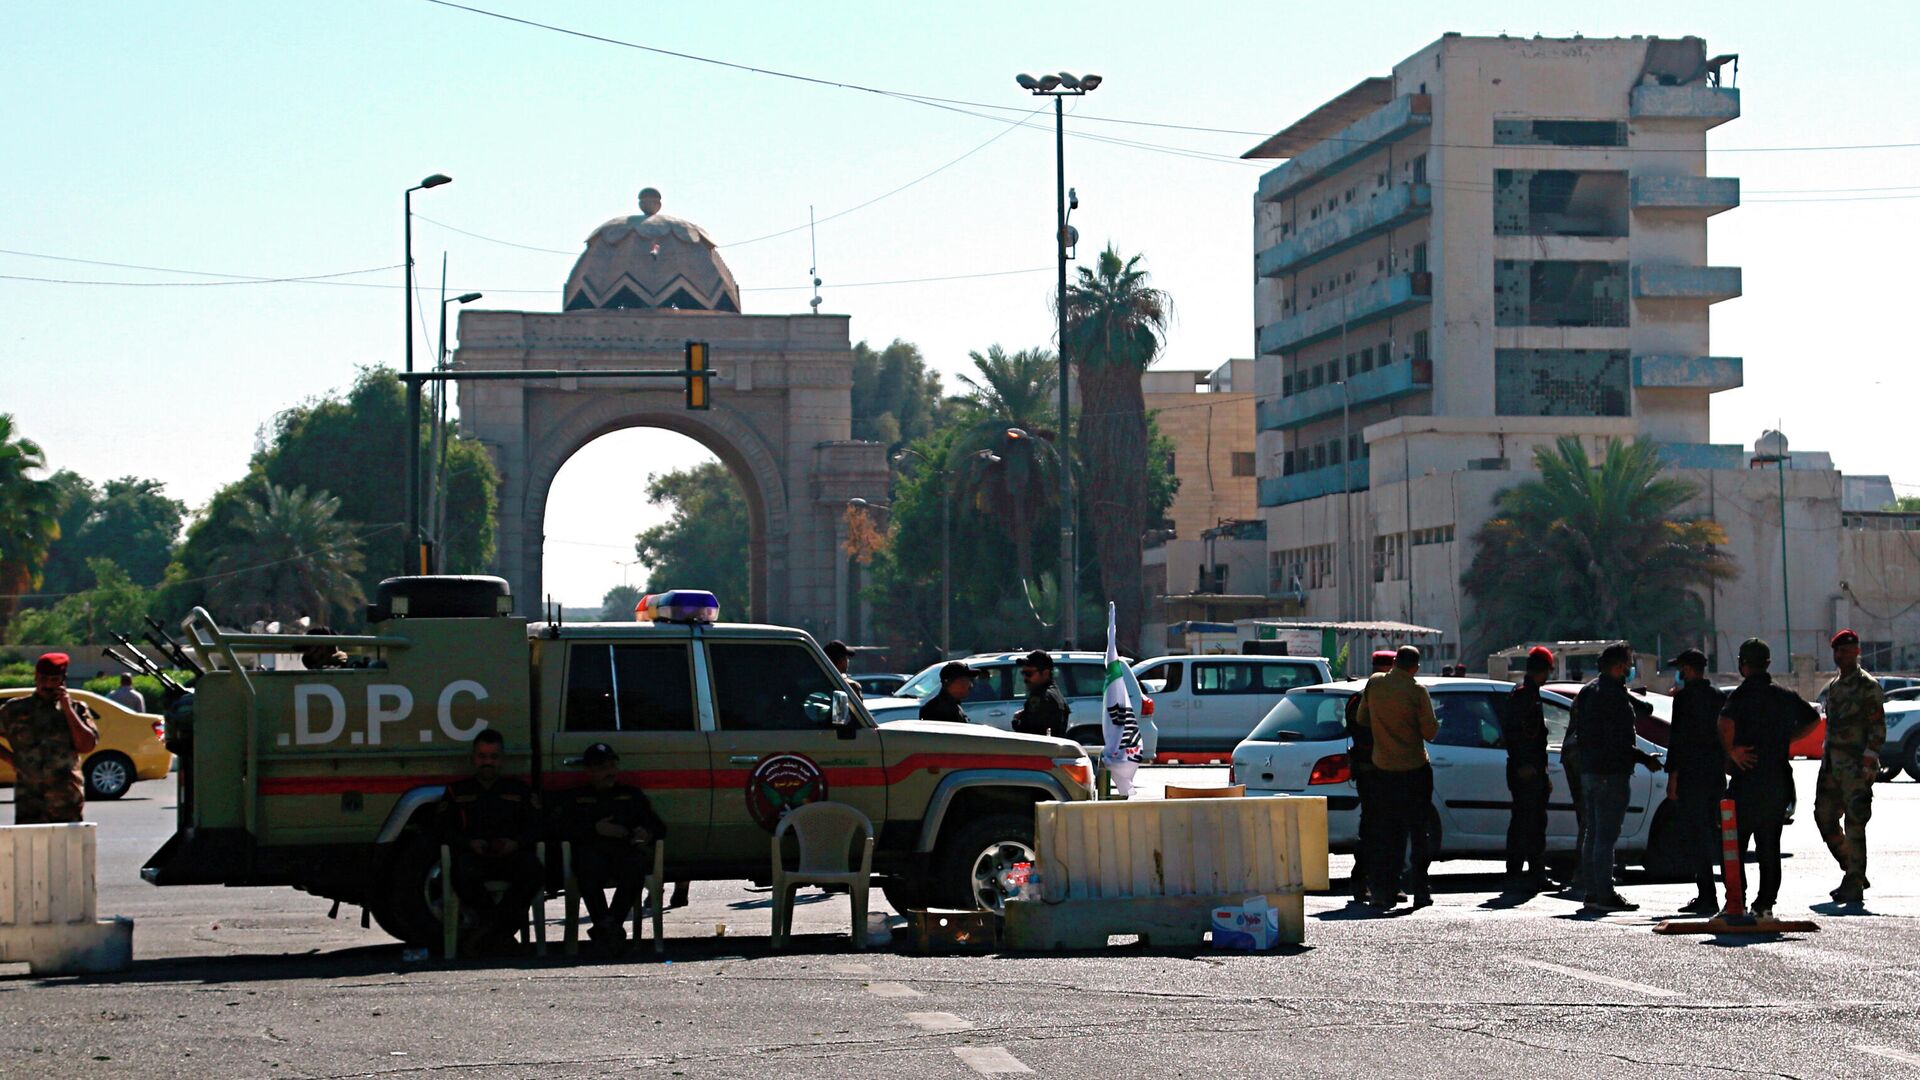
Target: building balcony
[[1358, 308], [1380, 384], [1301, 486], [1710, 283], [1402, 203], [1709, 373], [1699, 104], [1390, 123], [1703, 196]]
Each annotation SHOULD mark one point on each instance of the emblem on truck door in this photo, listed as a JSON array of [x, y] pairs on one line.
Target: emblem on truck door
[[781, 782]]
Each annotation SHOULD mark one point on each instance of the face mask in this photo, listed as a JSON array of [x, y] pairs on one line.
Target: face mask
[[1633, 674]]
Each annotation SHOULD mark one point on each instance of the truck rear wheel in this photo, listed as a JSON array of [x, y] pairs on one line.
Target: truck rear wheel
[[408, 905], [904, 894], [972, 868]]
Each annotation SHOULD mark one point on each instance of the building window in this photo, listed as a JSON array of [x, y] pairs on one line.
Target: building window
[[1559, 292], [1420, 345], [1562, 382], [1243, 463], [1559, 133], [1559, 202], [1353, 448], [1366, 358], [1420, 169], [1286, 463], [1171, 458]]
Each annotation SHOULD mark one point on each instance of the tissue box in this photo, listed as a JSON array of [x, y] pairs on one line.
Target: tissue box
[[1251, 924]]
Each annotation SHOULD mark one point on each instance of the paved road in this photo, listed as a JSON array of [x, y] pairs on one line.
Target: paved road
[[261, 983]]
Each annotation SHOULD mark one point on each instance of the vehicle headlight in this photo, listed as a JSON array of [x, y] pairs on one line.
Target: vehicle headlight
[[1079, 769]]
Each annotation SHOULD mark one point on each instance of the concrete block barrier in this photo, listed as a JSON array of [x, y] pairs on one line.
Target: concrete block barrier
[[48, 903]]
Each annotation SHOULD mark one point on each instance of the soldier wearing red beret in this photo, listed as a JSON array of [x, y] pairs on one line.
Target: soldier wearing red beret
[[47, 734]]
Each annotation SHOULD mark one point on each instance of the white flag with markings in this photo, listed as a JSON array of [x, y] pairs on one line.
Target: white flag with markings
[[1122, 726]]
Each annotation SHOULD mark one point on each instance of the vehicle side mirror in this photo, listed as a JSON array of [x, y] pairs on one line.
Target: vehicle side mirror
[[843, 714]]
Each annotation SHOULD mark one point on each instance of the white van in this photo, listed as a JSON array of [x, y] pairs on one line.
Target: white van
[[1212, 702]]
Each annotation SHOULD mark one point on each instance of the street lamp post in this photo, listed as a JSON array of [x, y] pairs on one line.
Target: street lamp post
[[946, 540], [1771, 449], [414, 557], [1059, 87]]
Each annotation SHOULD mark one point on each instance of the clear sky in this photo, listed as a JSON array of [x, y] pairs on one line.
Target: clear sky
[[274, 140]]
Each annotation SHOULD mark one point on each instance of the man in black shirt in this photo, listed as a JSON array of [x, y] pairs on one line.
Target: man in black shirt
[[611, 827], [1045, 712], [956, 682], [1523, 731], [491, 822], [1604, 717], [1758, 724], [1697, 773]]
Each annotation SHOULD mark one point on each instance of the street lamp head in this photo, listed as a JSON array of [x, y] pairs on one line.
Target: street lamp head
[[436, 180], [1049, 83], [1017, 433], [466, 298], [1073, 199], [857, 502], [1089, 82], [1027, 82], [1068, 80], [988, 456]]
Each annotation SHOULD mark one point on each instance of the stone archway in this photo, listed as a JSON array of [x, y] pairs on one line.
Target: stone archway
[[730, 439], [781, 419]]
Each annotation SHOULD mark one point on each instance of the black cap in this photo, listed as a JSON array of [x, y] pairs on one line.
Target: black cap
[[1754, 652], [1689, 658], [837, 650], [1038, 658], [1617, 653], [600, 754], [954, 669]]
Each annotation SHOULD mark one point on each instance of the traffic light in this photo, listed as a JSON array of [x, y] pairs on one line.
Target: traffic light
[[696, 378]]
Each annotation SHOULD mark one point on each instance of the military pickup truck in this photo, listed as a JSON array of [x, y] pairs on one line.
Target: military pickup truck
[[325, 779]]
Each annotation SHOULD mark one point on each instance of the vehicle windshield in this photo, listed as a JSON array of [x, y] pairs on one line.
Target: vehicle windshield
[[1304, 716], [921, 686]]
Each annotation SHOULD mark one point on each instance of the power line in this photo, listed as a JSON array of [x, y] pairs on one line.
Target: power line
[[195, 273]]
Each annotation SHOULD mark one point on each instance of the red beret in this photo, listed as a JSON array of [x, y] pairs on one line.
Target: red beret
[[1844, 637], [53, 662], [1540, 653]]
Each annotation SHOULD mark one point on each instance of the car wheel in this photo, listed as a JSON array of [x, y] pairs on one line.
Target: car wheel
[[1665, 859], [1887, 773], [973, 867], [1913, 755], [109, 774]]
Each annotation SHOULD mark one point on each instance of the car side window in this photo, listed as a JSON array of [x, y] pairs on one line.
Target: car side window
[[629, 687], [1559, 718], [1221, 677], [771, 686], [1172, 673], [1467, 720], [1279, 678], [1081, 680], [992, 685]]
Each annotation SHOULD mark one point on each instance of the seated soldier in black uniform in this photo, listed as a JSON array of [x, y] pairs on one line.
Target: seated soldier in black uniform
[[612, 827], [492, 823]]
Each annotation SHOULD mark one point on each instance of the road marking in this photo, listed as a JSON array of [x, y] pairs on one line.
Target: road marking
[[892, 990], [938, 1021], [1890, 1053], [1604, 980], [988, 1060]]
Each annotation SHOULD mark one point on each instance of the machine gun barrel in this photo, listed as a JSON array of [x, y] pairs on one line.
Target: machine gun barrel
[[140, 662], [158, 637]]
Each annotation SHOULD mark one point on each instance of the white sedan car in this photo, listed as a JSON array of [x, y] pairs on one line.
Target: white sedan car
[[1300, 748]]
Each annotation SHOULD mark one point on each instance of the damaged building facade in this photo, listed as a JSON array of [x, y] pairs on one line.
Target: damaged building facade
[[1502, 243]]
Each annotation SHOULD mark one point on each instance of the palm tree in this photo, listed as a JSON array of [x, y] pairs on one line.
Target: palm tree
[[1011, 392], [294, 557], [1594, 550], [1116, 324], [29, 517]]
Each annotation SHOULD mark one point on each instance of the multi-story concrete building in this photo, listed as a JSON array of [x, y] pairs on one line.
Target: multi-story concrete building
[[1502, 243]]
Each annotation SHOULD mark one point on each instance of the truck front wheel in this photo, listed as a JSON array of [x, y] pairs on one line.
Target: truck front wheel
[[977, 862]]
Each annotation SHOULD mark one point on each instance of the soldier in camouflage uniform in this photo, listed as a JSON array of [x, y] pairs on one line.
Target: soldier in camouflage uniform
[[47, 733], [1856, 727]]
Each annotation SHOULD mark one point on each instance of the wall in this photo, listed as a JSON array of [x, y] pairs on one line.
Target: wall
[[1207, 429]]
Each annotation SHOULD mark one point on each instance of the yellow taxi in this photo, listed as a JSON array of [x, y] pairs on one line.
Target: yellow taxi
[[132, 746]]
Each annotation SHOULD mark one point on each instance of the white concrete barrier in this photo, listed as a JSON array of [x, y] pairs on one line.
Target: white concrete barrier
[[48, 914], [1157, 867]]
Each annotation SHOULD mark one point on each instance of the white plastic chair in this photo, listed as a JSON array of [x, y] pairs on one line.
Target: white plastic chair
[[825, 831]]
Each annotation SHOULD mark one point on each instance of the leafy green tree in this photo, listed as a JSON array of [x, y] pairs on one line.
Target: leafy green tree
[[354, 447], [703, 544], [131, 522], [618, 604], [1009, 392], [296, 558], [1594, 550], [1905, 504], [29, 517], [115, 603], [1115, 326], [896, 399]]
